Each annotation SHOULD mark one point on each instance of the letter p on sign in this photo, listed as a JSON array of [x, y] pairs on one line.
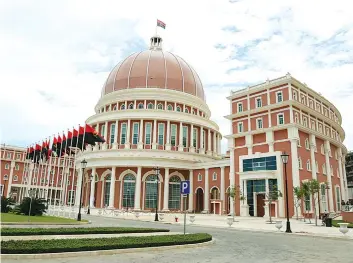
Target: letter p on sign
[[185, 187]]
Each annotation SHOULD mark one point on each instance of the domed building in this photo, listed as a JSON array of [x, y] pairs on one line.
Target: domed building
[[153, 113]]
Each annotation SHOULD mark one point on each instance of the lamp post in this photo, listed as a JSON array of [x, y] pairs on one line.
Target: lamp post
[[83, 166], [89, 194], [31, 193], [156, 169], [285, 157]]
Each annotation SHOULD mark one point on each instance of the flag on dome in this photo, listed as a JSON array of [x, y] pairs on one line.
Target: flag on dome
[[161, 24]]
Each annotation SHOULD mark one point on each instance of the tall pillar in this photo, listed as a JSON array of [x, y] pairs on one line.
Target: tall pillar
[[328, 174], [270, 141], [166, 190], [112, 188], [209, 151], [202, 149], [78, 187], [345, 176], [168, 145], [138, 189], [207, 193], [116, 132], [93, 183], [223, 190], [106, 132], [127, 143], [343, 188], [181, 146], [140, 143], [214, 150], [154, 144], [191, 195], [9, 184], [312, 156], [191, 145], [231, 172]]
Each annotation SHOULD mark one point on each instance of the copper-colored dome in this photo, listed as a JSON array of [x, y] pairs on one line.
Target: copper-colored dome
[[154, 68]]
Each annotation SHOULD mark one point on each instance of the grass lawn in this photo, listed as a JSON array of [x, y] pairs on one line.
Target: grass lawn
[[335, 223], [9, 218]]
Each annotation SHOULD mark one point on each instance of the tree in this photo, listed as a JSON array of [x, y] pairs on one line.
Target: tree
[[305, 188], [38, 206], [235, 192], [299, 198], [271, 196], [314, 190], [6, 204]]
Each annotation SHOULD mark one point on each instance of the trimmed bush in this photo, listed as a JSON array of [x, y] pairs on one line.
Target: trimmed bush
[[335, 223], [76, 231], [5, 204], [74, 245], [38, 206]]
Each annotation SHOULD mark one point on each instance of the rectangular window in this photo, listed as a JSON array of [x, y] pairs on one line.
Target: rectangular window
[[102, 129], [307, 203], [112, 133], [123, 133], [161, 133], [204, 139], [18, 156], [240, 107], [259, 123], [338, 199], [185, 136], [194, 137], [199, 177], [260, 164], [279, 96], [148, 133], [240, 127], [258, 102], [135, 136], [173, 134], [323, 198], [280, 119]]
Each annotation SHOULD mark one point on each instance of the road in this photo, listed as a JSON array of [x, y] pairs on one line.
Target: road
[[231, 246]]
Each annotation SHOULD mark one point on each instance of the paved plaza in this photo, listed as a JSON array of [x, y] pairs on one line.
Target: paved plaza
[[232, 245]]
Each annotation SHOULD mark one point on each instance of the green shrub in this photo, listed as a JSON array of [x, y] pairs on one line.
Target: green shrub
[[5, 204], [76, 231], [73, 245], [37, 208], [335, 223]]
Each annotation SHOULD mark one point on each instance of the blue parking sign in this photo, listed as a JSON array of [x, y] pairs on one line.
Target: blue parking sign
[[185, 187]]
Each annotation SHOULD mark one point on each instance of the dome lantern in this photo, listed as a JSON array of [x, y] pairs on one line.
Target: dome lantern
[[156, 43]]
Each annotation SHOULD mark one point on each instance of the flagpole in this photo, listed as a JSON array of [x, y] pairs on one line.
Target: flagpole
[[47, 170], [58, 171], [69, 165], [67, 171], [62, 171], [73, 197], [23, 175], [50, 172]]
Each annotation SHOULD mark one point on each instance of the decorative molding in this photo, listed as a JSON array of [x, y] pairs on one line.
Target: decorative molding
[[126, 172]]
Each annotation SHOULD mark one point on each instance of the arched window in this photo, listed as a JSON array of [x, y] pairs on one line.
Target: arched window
[[6, 177], [178, 109], [7, 166], [140, 106], [324, 169], [160, 106], [300, 164], [215, 193], [186, 110], [107, 183], [129, 191], [308, 166], [151, 191], [131, 106], [150, 106], [174, 193], [15, 178], [307, 146], [17, 167], [170, 107], [114, 107], [122, 107]]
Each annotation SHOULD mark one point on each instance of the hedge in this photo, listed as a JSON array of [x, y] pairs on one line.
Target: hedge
[[76, 231], [335, 223], [75, 245]]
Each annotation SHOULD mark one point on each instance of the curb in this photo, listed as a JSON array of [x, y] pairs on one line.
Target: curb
[[102, 252], [44, 223]]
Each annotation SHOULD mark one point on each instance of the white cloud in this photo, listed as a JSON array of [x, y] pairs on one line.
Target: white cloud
[[55, 56]]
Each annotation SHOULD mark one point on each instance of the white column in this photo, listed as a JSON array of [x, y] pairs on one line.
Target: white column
[[192, 148], [343, 188], [168, 146], [328, 174], [181, 146], [116, 132], [154, 144], [202, 149], [78, 187], [127, 143], [140, 143], [207, 193], [209, 152], [223, 190], [231, 172], [138, 189], [191, 195], [93, 183], [112, 189], [214, 143], [312, 156], [106, 132], [270, 141], [166, 190], [219, 144], [345, 176], [9, 184]]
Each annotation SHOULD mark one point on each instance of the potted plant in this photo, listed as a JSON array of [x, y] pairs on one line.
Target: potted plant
[[192, 218], [343, 228], [230, 220]]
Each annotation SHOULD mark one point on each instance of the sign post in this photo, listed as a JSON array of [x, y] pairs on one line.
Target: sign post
[[185, 191]]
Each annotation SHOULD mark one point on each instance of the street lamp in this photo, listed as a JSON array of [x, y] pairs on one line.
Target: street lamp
[[31, 193], [89, 194], [83, 166], [156, 169], [285, 157]]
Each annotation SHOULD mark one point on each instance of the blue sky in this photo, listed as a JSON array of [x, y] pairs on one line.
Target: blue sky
[[55, 56]]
